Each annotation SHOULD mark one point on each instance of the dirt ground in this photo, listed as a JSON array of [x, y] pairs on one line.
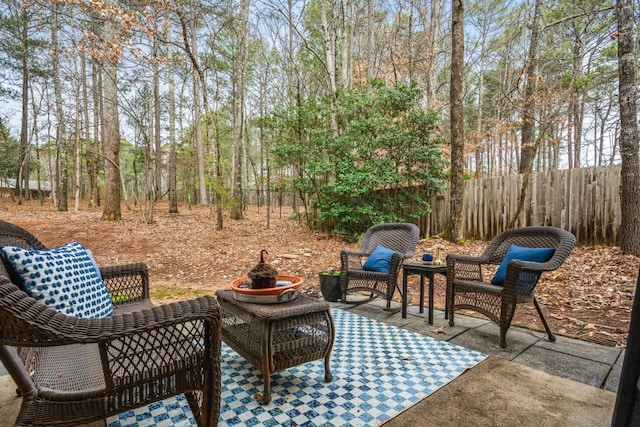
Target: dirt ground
[[589, 297]]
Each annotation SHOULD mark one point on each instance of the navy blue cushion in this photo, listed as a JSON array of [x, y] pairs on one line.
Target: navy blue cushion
[[523, 254], [379, 260]]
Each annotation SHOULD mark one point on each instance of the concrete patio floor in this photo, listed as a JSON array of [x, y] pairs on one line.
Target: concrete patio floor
[[532, 382]]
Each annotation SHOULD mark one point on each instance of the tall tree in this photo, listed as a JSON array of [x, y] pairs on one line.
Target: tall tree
[[198, 85], [157, 137], [239, 72], [455, 232], [23, 175], [19, 49], [62, 163], [93, 147], [629, 145], [528, 146], [172, 190], [111, 210]]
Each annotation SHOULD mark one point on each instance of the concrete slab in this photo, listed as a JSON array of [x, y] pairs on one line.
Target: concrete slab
[[498, 392], [565, 365], [584, 349], [470, 322], [439, 330], [613, 379], [486, 339]]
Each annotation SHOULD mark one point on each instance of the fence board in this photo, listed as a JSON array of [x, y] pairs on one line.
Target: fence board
[[584, 201]]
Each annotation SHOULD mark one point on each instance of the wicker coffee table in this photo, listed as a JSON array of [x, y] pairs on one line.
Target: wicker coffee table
[[273, 337]]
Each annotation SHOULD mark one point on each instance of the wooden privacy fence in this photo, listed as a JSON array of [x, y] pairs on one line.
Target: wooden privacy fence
[[583, 201]]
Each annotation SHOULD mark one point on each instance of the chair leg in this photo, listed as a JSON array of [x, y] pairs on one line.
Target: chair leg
[[503, 336], [449, 307], [552, 337], [388, 308]]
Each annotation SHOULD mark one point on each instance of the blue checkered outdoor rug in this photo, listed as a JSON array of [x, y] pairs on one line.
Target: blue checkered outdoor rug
[[378, 370]]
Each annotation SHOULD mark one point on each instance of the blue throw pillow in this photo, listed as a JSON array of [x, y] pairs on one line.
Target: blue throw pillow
[[379, 260], [65, 278], [523, 254]]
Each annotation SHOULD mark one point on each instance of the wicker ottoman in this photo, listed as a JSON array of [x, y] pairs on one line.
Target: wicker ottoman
[[278, 336]]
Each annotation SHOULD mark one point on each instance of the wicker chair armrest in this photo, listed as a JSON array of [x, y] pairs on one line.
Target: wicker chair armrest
[[523, 275], [533, 266], [351, 259], [126, 283], [468, 259], [27, 322], [140, 322], [394, 268], [465, 267]]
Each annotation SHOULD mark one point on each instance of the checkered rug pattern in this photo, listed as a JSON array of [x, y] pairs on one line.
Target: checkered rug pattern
[[379, 370]]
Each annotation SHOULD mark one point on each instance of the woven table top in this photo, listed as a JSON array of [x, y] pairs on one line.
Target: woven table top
[[299, 306]]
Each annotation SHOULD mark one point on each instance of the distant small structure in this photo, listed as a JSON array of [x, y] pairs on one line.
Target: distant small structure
[[8, 185]]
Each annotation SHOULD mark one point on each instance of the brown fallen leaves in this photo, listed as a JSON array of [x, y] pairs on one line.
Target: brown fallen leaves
[[590, 297]]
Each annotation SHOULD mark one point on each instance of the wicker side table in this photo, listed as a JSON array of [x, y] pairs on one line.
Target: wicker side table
[[273, 337]]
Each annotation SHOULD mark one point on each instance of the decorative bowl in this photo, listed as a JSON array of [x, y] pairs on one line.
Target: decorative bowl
[[282, 292]]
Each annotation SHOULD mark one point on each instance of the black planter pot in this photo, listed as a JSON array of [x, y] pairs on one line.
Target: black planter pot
[[330, 287]]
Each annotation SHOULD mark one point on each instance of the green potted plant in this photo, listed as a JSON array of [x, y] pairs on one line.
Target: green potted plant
[[330, 285]]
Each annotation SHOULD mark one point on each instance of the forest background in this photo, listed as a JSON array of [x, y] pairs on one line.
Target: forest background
[[330, 101]]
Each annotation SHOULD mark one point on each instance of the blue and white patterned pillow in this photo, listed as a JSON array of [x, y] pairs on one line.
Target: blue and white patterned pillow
[[65, 278]]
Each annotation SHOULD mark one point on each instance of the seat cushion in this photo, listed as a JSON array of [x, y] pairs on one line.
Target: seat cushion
[[379, 260], [65, 278], [523, 254]]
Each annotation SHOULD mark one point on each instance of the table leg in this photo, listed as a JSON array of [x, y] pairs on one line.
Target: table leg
[[266, 369], [421, 293], [332, 335], [327, 370], [404, 295], [431, 298], [446, 300]]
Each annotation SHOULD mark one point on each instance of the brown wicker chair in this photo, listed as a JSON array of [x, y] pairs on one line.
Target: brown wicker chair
[[71, 370], [467, 290], [401, 237]]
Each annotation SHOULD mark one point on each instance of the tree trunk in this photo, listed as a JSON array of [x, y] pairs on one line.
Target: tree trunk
[[157, 176], [528, 145], [239, 71], [433, 38], [629, 145], [77, 179], [346, 52], [202, 187], [61, 131], [371, 58], [455, 232], [93, 156], [112, 181], [88, 145], [329, 34], [22, 183], [172, 184]]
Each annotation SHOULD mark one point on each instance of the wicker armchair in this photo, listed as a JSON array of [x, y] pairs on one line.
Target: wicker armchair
[[401, 237], [467, 290], [72, 371]]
